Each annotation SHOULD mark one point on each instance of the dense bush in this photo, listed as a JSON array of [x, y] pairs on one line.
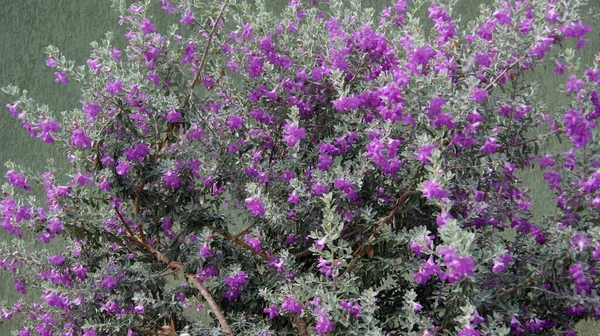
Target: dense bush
[[372, 164]]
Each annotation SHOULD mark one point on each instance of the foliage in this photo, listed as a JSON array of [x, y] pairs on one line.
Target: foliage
[[371, 163]]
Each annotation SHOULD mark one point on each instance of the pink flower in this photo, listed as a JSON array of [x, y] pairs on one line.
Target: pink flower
[[61, 77], [51, 62]]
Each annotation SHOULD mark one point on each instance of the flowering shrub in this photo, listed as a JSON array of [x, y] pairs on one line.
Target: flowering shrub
[[372, 164]]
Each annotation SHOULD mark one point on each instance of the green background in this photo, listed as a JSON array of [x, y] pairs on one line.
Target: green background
[[28, 26]]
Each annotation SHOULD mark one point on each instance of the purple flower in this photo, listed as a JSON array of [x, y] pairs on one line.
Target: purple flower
[[347, 103], [17, 180], [272, 311], [469, 330], [478, 95], [578, 128], [89, 332], [290, 239], [173, 116], [582, 284], [206, 273], [596, 252], [255, 66], [254, 242], [319, 189], [579, 241], [237, 280], [147, 27], [490, 146], [500, 263], [324, 325], [171, 179], [50, 62], [205, 251], [61, 77], [92, 110], [115, 53], [324, 267], [320, 244], [352, 307], [12, 109], [112, 307], [256, 206], [20, 287], [416, 306], [456, 266], [56, 259], [139, 308], [424, 153], [291, 305], [82, 179], [78, 138], [293, 134], [234, 122], [123, 168], [574, 84], [79, 271], [114, 87], [559, 68], [94, 64], [546, 161], [188, 17], [109, 282], [54, 225], [432, 189], [293, 198]]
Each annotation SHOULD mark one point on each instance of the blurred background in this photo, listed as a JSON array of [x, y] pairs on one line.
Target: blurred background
[[29, 26]]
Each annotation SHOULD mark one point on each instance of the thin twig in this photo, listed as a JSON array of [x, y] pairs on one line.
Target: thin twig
[[358, 253], [174, 265], [244, 231], [236, 241], [204, 56], [507, 69], [302, 329]]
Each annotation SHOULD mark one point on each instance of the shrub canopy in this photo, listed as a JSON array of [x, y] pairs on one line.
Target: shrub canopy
[[327, 171]]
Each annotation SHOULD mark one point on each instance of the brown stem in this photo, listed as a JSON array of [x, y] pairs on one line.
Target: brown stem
[[302, 329], [174, 265], [127, 228], [495, 80], [358, 253], [244, 231], [204, 56], [138, 194], [303, 254], [172, 325], [236, 241]]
